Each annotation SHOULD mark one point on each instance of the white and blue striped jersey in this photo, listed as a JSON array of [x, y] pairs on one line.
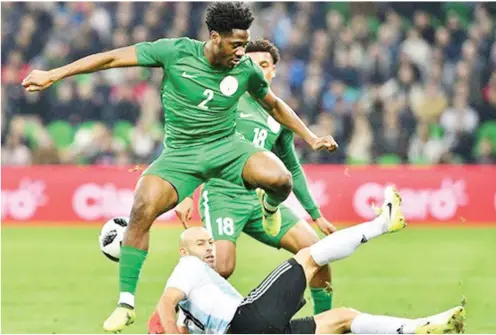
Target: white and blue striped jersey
[[210, 301]]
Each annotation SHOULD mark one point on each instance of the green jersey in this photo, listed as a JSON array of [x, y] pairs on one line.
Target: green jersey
[[257, 126], [199, 101]]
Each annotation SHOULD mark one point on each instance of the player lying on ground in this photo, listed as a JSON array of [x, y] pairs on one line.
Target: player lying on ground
[[202, 84], [211, 305], [228, 209]]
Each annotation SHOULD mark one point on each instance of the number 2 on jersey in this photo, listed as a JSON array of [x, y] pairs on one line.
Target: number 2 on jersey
[[260, 137], [210, 95]]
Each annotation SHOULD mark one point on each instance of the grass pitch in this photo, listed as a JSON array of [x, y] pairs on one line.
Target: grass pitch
[[55, 280]]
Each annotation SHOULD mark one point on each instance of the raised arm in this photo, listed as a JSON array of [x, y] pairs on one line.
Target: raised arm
[[287, 117], [39, 80], [258, 87], [150, 54], [166, 309], [285, 150]]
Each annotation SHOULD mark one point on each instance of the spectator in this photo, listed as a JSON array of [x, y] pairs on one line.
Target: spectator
[[431, 104], [390, 138], [422, 25], [375, 83], [142, 142], [417, 49], [485, 153], [14, 152], [459, 123], [425, 148], [362, 137]]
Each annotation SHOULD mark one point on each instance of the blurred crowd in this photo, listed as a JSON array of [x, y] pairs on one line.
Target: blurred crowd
[[392, 82]]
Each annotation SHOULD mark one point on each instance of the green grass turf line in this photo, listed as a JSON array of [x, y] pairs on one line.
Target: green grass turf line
[[55, 280]]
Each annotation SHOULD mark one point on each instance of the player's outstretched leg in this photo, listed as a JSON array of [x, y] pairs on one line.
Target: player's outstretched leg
[[343, 243], [153, 196], [346, 320], [265, 171]]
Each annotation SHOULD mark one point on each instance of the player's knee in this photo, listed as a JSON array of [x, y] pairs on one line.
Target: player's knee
[[283, 182], [305, 259], [346, 317], [336, 321], [303, 255]]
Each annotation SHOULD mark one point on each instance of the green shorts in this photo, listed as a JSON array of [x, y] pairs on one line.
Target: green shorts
[[187, 168], [226, 215]]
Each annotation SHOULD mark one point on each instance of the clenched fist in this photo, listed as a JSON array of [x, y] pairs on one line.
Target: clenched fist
[[324, 143], [38, 80]]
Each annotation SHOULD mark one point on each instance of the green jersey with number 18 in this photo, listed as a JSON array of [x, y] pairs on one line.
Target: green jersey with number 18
[[199, 101], [257, 126]]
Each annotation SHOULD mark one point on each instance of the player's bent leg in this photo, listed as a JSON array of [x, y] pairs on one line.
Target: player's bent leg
[[153, 196], [300, 236], [265, 171], [336, 321], [305, 259], [225, 257]]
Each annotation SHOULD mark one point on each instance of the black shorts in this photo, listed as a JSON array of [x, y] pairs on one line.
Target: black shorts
[[269, 308]]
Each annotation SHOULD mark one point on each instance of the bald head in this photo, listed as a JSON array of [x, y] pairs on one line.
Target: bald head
[[192, 234], [198, 242]]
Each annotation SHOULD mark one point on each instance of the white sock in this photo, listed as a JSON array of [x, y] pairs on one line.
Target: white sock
[[381, 324], [343, 243], [127, 298]]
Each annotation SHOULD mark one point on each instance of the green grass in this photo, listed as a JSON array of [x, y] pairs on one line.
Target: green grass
[[54, 279]]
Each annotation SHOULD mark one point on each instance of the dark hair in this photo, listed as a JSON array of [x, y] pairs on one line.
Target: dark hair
[[262, 45], [223, 17]]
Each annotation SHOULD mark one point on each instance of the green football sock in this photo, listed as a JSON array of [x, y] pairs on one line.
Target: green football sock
[[322, 300], [130, 264], [272, 201]]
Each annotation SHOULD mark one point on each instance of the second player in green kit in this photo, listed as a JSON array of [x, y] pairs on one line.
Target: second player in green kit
[[227, 209]]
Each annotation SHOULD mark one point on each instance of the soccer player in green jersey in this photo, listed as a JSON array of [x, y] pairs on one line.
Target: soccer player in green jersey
[[227, 209], [202, 84]]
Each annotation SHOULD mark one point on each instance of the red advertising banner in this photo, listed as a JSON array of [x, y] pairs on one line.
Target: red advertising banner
[[440, 194]]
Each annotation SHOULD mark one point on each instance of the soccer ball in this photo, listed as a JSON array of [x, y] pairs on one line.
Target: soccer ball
[[111, 237]]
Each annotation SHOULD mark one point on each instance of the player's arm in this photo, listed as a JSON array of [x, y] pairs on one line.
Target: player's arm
[[150, 54], [185, 277], [166, 309], [286, 116], [39, 80], [259, 88], [184, 210], [284, 148]]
